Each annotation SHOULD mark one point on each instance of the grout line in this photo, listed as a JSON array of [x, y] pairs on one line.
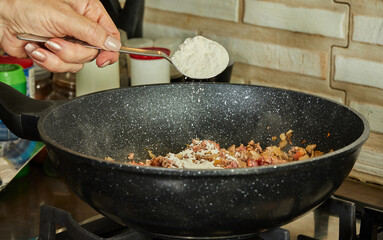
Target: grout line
[[332, 57]]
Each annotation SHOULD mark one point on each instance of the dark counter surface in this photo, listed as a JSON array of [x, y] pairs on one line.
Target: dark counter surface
[[21, 199], [20, 203]]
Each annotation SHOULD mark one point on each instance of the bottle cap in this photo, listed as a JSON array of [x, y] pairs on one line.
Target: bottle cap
[[24, 62], [13, 75]]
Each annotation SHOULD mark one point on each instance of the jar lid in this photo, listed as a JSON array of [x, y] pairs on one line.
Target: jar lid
[[141, 57], [23, 62], [11, 74]]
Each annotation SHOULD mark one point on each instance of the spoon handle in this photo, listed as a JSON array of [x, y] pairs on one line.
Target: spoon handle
[[128, 50]]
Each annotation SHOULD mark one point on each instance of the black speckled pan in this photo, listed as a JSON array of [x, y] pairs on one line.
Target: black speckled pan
[[191, 203]]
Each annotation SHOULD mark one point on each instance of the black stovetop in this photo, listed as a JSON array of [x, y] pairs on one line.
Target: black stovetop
[[371, 225]]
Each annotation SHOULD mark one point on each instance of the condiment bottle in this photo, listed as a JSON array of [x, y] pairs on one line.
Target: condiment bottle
[[139, 42], [148, 69], [43, 83], [91, 78], [63, 87], [29, 71], [172, 44], [136, 43], [13, 75]]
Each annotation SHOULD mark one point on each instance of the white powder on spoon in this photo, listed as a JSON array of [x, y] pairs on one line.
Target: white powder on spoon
[[200, 58]]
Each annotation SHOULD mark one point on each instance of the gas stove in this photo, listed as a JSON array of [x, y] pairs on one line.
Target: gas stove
[[356, 221]]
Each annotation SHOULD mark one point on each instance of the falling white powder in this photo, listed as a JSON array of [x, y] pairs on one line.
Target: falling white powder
[[200, 58]]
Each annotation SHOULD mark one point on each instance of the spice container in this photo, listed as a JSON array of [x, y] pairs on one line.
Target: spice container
[[136, 43], [148, 69], [28, 69], [63, 86], [91, 78], [13, 75], [43, 83], [172, 44], [139, 42]]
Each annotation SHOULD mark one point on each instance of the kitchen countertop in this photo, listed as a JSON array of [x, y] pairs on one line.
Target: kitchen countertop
[[21, 199], [20, 203]]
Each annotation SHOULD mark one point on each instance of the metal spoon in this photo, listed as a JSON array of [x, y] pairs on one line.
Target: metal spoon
[[138, 51]]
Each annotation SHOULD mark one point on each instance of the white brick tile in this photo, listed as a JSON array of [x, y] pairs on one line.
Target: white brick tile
[[370, 161], [358, 71], [371, 157], [220, 9], [261, 54], [368, 29], [237, 80], [368, 169], [373, 113], [154, 31], [297, 19], [275, 56]]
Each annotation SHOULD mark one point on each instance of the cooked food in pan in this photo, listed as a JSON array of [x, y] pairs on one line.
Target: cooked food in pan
[[207, 154]]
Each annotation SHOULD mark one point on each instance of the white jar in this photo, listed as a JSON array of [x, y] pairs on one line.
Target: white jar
[[91, 78], [147, 70], [137, 43], [171, 43]]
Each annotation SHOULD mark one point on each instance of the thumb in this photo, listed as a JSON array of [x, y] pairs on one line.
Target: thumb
[[94, 34]]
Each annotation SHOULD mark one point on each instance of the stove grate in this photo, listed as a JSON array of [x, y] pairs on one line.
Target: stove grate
[[51, 217], [371, 225]]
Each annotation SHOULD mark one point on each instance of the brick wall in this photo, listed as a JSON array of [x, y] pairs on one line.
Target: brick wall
[[322, 47]]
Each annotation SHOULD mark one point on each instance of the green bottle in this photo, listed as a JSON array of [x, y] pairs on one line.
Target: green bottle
[[13, 75]]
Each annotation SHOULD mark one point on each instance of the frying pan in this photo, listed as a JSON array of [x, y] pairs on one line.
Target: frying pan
[[181, 203]]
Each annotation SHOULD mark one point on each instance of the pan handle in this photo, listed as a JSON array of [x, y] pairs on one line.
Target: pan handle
[[21, 113]]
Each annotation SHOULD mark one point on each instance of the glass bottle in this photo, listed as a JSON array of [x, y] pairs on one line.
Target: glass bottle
[[63, 87], [43, 83]]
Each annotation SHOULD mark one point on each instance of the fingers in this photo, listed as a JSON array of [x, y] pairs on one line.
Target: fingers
[[86, 20], [106, 58], [71, 52], [94, 26], [13, 46], [74, 53], [50, 61], [63, 57]]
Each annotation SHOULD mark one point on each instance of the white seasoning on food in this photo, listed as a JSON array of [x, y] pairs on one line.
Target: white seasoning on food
[[189, 159], [200, 58]]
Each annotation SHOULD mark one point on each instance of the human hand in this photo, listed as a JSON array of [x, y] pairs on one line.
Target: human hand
[[86, 20]]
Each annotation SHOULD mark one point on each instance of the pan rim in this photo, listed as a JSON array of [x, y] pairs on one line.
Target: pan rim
[[92, 160]]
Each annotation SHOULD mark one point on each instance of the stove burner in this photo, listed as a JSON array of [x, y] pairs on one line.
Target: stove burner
[[101, 228], [371, 224]]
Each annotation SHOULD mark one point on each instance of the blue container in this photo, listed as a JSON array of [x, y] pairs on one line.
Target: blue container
[[5, 134]]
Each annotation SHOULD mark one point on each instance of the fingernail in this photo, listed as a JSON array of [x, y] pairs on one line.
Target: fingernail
[[53, 46], [112, 44], [105, 64], [39, 56], [29, 47]]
